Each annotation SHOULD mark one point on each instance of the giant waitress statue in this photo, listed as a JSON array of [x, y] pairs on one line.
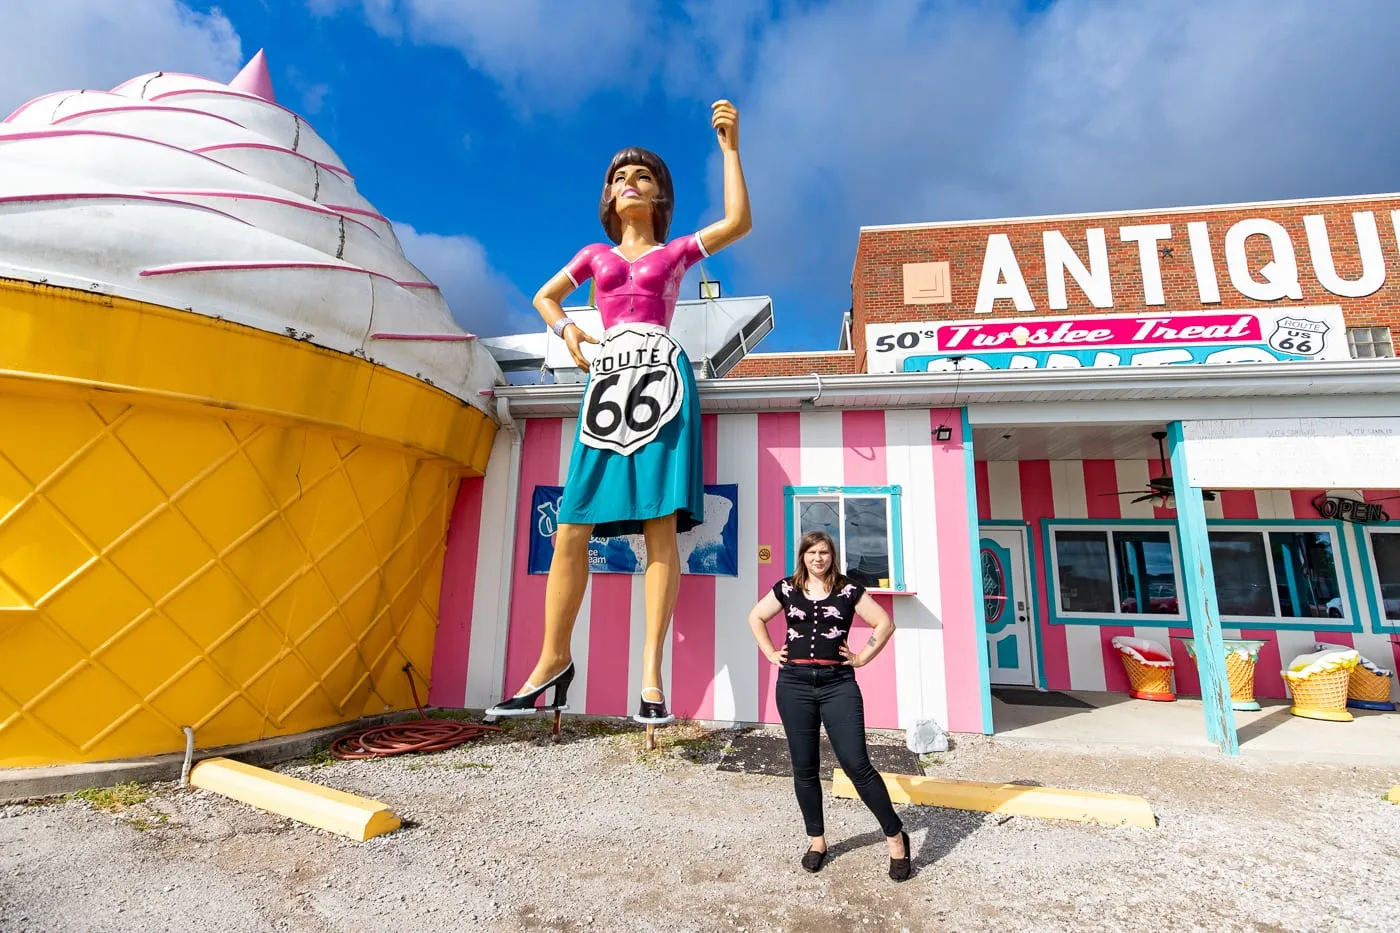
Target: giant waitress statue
[[636, 463]]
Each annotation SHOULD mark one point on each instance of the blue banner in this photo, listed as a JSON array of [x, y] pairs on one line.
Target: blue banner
[[710, 549]]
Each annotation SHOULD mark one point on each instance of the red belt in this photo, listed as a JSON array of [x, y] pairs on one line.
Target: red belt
[[812, 661]]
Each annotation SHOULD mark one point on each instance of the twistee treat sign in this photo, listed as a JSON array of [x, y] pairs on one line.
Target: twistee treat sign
[[1254, 336]]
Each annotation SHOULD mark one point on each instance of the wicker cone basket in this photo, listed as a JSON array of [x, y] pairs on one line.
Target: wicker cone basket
[[1320, 696], [1240, 669], [1369, 687], [1148, 682]]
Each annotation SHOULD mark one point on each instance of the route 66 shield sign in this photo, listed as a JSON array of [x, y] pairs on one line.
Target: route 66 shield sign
[[634, 390], [1299, 336]]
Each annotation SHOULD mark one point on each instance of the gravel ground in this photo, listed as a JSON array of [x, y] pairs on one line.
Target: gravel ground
[[514, 833]]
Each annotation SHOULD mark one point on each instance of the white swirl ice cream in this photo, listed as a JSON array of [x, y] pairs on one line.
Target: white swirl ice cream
[[212, 198]]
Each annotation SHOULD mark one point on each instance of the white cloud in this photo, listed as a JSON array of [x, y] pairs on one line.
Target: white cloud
[[919, 111], [545, 55], [858, 112], [482, 300], [55, 45]]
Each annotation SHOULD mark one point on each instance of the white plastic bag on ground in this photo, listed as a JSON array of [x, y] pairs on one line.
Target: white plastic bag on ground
[[925, 737]]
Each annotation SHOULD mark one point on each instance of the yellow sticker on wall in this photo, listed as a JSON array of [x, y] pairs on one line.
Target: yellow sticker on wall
[[765, 554]]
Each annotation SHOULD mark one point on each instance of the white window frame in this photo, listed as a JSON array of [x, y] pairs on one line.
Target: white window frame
[[1108, 618], [1370, 341]]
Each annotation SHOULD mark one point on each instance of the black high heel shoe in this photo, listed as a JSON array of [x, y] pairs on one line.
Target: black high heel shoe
[[900, 867], [653, 714], [524, 704]]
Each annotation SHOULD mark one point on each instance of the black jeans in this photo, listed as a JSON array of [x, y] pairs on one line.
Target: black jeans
[[810, 697]]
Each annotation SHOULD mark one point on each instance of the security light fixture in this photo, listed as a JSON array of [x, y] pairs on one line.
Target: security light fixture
[[709, 289], [943, 433]]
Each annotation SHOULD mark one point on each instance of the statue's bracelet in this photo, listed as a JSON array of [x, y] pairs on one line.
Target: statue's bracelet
[[559, 325]]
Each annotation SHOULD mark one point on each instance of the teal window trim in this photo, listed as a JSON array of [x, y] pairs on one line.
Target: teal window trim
[[1371, 579], [1135, 620], [1351, 607], [1352, 623], [896, 524]]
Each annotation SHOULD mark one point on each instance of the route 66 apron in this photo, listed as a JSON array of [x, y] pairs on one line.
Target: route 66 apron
[[634, 389]]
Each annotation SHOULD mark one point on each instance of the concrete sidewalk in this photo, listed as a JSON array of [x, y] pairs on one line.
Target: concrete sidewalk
[[1115, 719]]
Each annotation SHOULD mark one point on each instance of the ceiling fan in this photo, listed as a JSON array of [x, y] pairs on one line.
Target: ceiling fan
[[1159, 487]]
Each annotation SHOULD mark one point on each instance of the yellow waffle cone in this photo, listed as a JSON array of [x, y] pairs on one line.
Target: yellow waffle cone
[[208, 526]]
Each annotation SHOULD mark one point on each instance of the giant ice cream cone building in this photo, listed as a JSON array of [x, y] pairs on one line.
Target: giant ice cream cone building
[[233, 420]]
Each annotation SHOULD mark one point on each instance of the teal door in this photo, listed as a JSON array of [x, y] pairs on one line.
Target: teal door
[[1006, 604]]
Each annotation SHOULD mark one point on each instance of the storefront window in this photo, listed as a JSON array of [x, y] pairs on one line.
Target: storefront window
[[1385, 551], [1242, 584], [1115, 572], [1086, 582], [863, 525], [1276, 574], [1146, 572]]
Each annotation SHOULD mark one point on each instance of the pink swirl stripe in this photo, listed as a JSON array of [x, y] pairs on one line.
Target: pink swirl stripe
[[268, 147], [242, 266], [250, 196], [146, 107], [215, 92], [112, 196]]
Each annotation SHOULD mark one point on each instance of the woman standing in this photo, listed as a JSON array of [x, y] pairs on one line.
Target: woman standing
[[817, 687], [636, 461]]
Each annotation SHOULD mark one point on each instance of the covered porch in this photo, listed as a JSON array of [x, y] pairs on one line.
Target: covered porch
[[1247, 509], [1114, 719]]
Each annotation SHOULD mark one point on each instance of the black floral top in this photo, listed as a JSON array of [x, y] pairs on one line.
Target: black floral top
[[817, 630]]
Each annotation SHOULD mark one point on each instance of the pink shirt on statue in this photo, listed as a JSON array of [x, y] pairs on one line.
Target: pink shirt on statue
[[643, 291]]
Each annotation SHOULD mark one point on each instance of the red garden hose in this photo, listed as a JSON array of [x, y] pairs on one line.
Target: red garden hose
[[415, 735]]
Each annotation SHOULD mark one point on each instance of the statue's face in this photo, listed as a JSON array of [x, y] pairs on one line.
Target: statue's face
[[633, 188]]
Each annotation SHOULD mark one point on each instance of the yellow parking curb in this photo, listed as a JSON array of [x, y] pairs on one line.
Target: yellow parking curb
[[324, 807], [1394, 795], [1051, 803]]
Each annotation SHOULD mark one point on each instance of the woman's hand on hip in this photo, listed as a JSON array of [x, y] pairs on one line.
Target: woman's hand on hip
[[778, 658], [573, 337], [854, 660]]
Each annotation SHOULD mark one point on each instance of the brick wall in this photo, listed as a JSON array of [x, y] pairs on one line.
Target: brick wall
[[878, 285], [793, 364]]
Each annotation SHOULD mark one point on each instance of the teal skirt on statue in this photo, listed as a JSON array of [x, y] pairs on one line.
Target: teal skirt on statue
[[624, 470]]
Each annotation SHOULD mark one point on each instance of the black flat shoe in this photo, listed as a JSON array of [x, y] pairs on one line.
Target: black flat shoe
[[900, 867], [653, 714], [812, 860], [524, 704]]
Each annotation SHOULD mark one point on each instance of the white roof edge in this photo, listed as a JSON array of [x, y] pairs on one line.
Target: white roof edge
[[733, 299], [791, 353], [1141, 212], [1341, 377]]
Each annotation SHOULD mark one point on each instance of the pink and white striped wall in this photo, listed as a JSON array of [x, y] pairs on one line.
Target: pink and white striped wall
[[492, 610], [1080, 657]]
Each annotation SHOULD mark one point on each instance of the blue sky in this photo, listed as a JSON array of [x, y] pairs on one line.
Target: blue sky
[[481, 128]]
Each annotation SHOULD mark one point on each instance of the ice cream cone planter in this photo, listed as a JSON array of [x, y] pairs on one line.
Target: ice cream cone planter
[[1149, 668], [1369, 685], [1318, 684], [224, 494], [1240, 659], [1369, 689]]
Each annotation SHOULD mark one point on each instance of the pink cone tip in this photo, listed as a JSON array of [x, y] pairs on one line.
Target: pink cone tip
[[254, 78]]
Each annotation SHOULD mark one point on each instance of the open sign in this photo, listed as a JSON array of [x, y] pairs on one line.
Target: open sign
[[1349, 510]]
